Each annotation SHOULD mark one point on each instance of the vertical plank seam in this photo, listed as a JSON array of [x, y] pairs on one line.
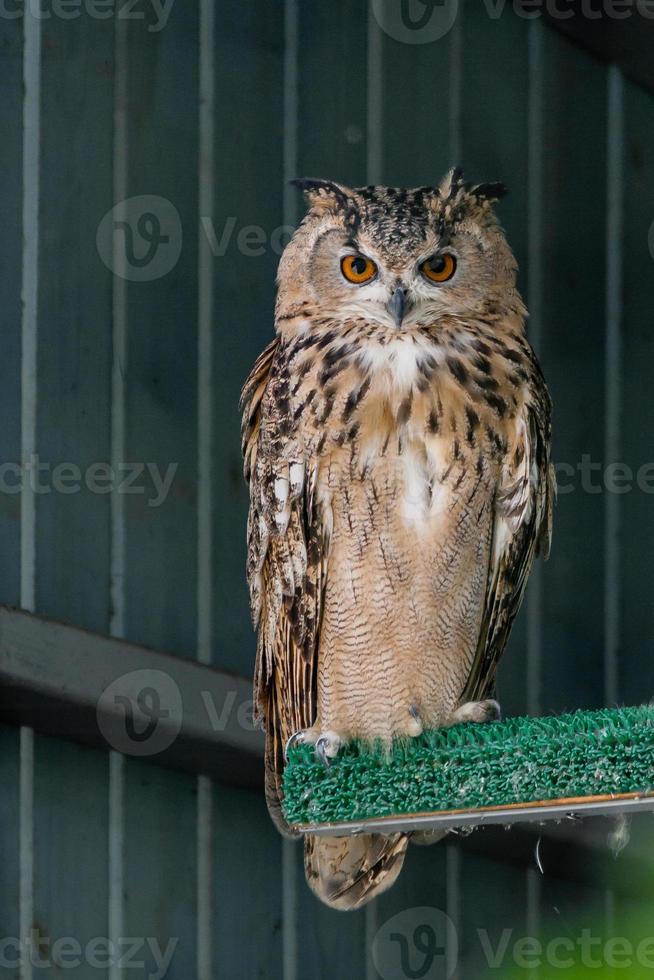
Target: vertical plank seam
[[206, 133], [119, 331], [289, 904], [613, 351], [290, 163], [29, 335], [116, 816], [205, 878], [455, 135], [371, 924], [535, 152], [453, 903], [533, 910], [26, 849], [610, 918], [115, 917], [30, 294], [290, 110], [374, 100], [613, 398], [205, 329]]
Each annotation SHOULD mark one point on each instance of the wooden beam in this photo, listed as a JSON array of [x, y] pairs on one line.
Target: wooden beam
[[104, 692]]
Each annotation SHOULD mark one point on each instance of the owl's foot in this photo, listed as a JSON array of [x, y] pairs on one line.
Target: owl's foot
[[328, 745], [297, 738], [414, 725], [477, 711]]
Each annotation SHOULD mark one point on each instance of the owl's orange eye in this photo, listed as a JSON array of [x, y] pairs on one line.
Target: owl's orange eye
[[439, 268], [358, 269]]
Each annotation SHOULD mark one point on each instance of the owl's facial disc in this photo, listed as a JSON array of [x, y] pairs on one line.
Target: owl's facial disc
[[358, 277], [397, 260]]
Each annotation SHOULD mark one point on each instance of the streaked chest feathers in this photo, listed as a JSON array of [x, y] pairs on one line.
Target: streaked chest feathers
[[411, 413]]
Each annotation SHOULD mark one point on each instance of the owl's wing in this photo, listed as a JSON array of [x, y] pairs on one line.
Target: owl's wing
[[287, 545], [522, 529]]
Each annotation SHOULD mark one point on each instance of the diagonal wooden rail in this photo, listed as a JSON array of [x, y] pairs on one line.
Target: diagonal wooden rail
[[68, 682]]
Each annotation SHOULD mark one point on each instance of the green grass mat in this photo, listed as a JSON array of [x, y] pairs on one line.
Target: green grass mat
[[519, 760]]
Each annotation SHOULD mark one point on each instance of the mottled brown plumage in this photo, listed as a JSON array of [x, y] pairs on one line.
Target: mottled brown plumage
[[400, 486]]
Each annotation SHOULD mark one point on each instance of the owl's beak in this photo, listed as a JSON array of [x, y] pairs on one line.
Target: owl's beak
[[397, 305]]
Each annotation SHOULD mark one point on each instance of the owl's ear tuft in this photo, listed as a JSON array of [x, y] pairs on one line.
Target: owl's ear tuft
[[489, 191], [454, 185], [451, 184], [322, 194]]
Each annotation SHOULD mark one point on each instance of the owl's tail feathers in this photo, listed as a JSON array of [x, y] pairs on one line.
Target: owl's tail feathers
[[347, 872]]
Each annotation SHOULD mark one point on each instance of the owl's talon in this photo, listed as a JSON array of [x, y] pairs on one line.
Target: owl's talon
[[327, 747], [414, 727], [478, 712], [296, 737]]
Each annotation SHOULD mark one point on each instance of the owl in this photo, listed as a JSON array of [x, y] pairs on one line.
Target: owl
[[396, 437]]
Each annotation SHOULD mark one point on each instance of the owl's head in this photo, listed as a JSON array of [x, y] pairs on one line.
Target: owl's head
[[398, 258]]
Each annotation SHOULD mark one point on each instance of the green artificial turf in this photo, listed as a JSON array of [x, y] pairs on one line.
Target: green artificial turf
[[519, 760]]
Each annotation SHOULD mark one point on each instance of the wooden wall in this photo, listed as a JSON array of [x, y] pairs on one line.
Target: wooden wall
[[213, 111]]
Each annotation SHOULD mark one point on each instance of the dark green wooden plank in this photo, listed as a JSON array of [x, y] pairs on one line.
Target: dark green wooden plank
[[161, 371], [636, 665], [160, 864], [414, 905], [74, 319], [567, 909], [421, 881], [493, 899], [9, 839], [11, 61], [573, 361], [416, 94], [73, 428], [329, 943], [509, 921], [160, 396], [70, 852], [247, 936], [494, 109], [332, 91], [249, 134]]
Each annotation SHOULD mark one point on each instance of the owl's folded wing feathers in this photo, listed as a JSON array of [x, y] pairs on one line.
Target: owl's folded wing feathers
[[522, 530], [287, 548]]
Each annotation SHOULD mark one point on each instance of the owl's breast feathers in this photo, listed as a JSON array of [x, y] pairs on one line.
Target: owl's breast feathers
[[400, 486]]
